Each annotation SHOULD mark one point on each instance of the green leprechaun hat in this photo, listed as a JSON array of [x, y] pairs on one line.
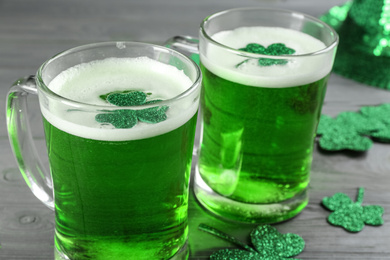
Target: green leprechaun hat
[[364, 48]]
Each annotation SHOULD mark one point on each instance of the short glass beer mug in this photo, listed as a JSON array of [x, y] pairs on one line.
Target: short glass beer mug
[[264, 80], [119, 121]]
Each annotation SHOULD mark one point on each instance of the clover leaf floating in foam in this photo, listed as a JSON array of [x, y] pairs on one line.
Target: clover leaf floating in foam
[[275, 49], [127, 118], [267, 242], [350, 215]]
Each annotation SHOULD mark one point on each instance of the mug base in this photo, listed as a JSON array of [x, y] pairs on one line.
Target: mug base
[[182, 254], [247, 212]]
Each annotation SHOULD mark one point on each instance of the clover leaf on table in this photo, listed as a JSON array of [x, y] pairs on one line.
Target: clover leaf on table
[[340, 134], [350, 215], [355, 130], [267, 243], [379, 118], [275, 49], [128, 118]]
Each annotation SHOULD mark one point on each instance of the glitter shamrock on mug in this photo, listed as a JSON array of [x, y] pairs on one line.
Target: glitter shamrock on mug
[[127, 118], [275, 49]]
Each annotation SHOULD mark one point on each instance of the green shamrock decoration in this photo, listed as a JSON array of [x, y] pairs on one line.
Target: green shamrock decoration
[[127, 118], [268, 244], [273, 50], [350, 215], [127, 99], [351, 130]]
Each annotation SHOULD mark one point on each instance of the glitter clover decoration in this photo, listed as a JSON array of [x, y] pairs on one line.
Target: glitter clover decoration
[[128, 118], [352, 216], [275, 49], [267, 242], [355, 130]]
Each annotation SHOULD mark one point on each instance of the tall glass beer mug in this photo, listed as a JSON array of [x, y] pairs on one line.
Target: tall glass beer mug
[[119, 121], [264, 80]]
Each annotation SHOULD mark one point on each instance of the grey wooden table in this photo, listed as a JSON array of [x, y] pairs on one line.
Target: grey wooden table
[[33, 31]]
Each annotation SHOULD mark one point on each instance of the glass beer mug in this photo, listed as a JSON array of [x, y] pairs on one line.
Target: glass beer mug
[[264, 80], [119, 121]]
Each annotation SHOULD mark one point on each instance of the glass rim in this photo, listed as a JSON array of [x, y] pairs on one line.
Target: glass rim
[[48, 92], [328, 48]]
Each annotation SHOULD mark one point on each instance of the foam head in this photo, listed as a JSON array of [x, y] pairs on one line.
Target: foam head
[[299, 70], [87, 82]]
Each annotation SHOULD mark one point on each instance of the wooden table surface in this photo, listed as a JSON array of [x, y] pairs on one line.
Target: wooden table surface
[[33, 31]]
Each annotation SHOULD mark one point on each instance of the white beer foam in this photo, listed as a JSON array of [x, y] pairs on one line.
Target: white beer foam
[[87, 81], [294, 73]]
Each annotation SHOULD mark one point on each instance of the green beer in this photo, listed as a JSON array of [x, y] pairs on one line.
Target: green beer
[[259, 124], [257, 142], [120, 193]]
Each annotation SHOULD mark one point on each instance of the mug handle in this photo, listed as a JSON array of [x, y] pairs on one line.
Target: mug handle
[[189, 46], [36, 176], [185, 44]]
